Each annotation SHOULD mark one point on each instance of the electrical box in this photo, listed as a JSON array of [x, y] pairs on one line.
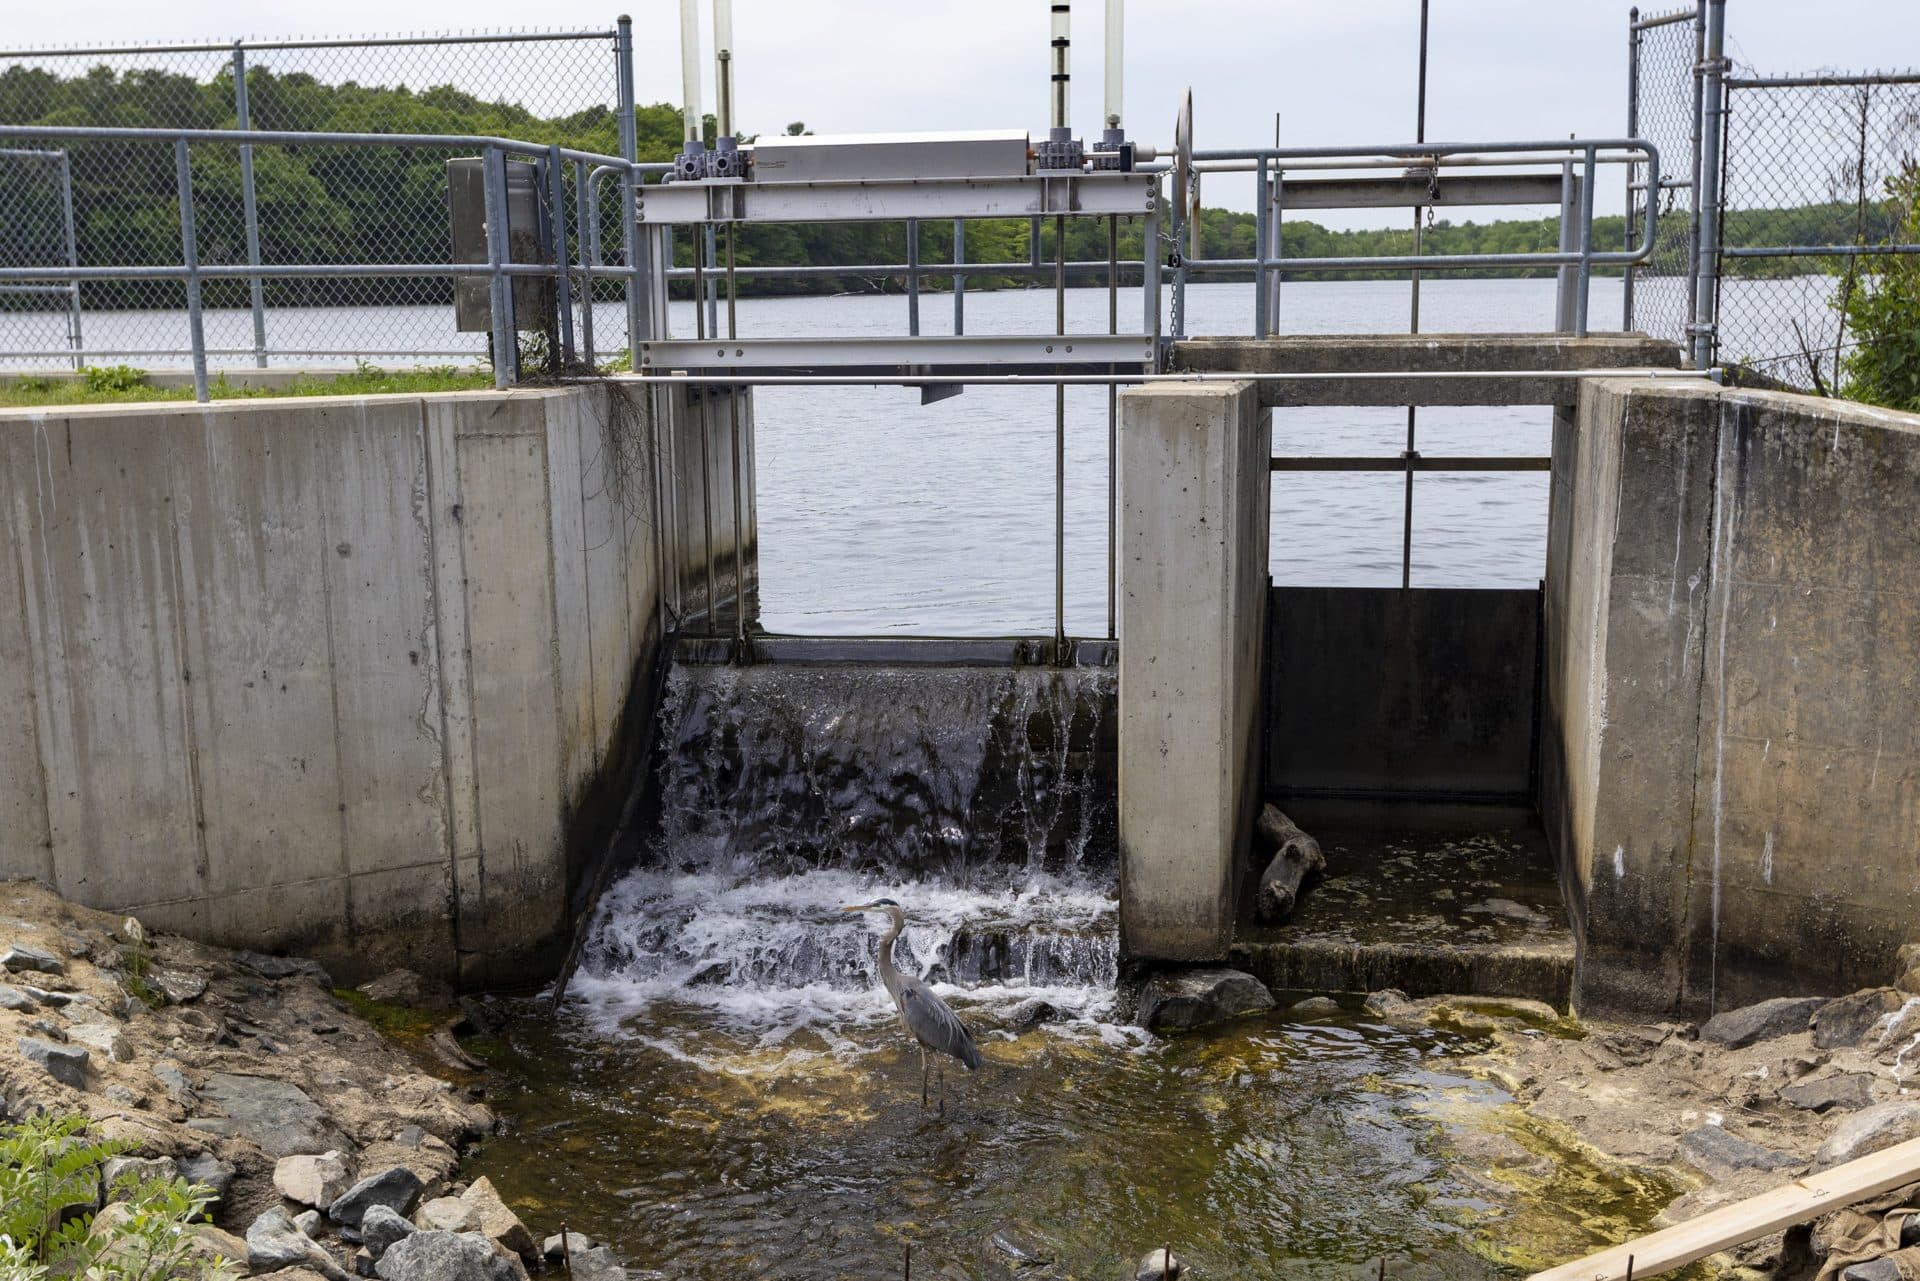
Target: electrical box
[[529, 239], [882, 156]]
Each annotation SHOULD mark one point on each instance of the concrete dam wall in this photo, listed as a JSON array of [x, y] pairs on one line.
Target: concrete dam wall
[[333, 675]]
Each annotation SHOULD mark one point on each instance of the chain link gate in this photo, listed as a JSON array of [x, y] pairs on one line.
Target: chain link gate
[[1663, 106], [36, 230], [305, 203]]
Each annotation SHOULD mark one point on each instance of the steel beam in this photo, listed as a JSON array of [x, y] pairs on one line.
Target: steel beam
[[732, 200], [928, 353]]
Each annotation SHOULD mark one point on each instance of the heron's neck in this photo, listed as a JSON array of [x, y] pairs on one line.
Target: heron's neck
[[897, 922]]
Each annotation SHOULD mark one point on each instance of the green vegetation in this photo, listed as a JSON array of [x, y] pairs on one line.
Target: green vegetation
[[119, 384], [50, 1182], [401, 1023], [1882, 313]]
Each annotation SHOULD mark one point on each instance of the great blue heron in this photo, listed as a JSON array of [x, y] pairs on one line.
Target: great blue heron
[[927, 1018]]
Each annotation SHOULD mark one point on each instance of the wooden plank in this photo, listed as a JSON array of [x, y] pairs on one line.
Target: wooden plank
[[1805, 1198]]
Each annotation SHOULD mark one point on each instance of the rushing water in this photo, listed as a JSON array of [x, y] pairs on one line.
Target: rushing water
[[725, 1092]]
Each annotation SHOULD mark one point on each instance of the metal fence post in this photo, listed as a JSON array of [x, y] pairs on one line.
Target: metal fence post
[[1633, 131], [1584, 282], [1707, 192], [249, 206], [913, 277], [73, 260], [1563, 288], [637, 320], [190, 259], [959, 276], [1693, 225], [586, 235], [562, 275], [506, 354], [1261, 214]]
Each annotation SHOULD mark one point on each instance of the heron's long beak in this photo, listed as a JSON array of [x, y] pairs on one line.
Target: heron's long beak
[[856, 907]]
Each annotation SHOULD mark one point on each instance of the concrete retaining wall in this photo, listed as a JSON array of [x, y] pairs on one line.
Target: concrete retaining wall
[[1731, 763], [326, 675], [1192, 603]]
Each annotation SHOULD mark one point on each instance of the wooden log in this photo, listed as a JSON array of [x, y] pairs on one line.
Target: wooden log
[[1807, 1197], [1296, 859]]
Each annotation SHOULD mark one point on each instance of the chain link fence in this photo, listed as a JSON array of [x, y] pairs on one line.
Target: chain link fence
[[1811, 163], [303, 203], [1663, 107]]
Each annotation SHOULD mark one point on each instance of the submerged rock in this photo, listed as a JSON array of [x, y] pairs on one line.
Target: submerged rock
[[598, 1264], [1315, 1005], [1781, 1016], [1868, 1131], [1181, 999], [1847, 1020]]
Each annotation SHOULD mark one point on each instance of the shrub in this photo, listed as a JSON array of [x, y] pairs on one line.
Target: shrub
[[1883, 316]]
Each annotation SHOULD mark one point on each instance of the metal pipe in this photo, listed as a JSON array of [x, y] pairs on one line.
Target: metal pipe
[[249, 207], [1261, 218], [1116, 63], [74, 341], [318, 137], [512, 37], [1819, 251], [1422, 150], [959, 277], [699, 287], [690, 118], [563, 279], [1113, 417], [733, 289], [709, 244], [1568, 243], [1633, 127], [1583, 279], [1706, 287], [1492, 463], [913, 277], [1060, 446], [1102, 380], [723, 67], [739, 523], [506, 356], [190, 259], [1062, 74], [639, 329], [1693, 139], [586, 235]]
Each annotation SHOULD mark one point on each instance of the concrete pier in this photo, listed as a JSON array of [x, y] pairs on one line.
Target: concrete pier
[[1192, 613]]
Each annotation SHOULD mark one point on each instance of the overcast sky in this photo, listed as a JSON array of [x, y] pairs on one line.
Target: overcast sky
[[1336, 71]]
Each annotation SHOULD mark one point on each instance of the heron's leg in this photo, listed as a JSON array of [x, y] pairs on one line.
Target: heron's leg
[[943, 1089], [923, 1076]]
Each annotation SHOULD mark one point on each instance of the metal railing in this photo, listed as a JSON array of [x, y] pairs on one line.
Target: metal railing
[[36, 201]]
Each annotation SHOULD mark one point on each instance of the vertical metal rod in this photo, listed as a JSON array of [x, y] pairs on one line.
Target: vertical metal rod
[[586, 236], [1707, 193], [706, 508], [1633, 171], [74, 341], [562, 277], [506, 354], [1584, 280], [668, 566], [249, 206], [711, 244], [1060, 449], [1113, 425], [1260, 216], [1033, 243], [733, 288], [190, 259], [1275, 212], [638, 319], [1563, 275], [739, 520], [1151, 275], [1412, 452], [1693, 192], [913, 277], [959, 277], [699, 282]]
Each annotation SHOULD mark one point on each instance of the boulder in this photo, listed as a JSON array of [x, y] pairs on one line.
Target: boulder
[[1873, 1270], [66, 1064], [179, 986], [1847, 1020], [447, 1214], [444, 1256], [274, 1241], [14, 998], [1180, 999], [206, 1170], [1159, 1265], [134, 1170], [497, 1222], [1781, 1016], [398, 1189], [21, 959], [556, 1246], [1847, 1092], [1388, 1002], [104, 1037], [598, 1264], [175, 1083], [1868, 1131], [211, 1245], [313, 1180], [1314, 1006], [381, 1227], [276, 1115], [1712, 1151], [310, 1222]]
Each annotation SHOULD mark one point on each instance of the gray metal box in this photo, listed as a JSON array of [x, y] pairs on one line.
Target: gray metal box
[[527, 241], [853, 156]]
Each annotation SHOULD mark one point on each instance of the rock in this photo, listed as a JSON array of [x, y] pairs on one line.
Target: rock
[[555, 1248], [274, 1241], [48, 1028], [1712, 1151], [410, 1136], [1910, 1232], [13, 998], [1508, 910], [310, 1222], [598, 1264], [1867, 1131], [1159, 1265], [381, 1227], [282, 967], [66, 1064], [313, 1180], [122, 1095], [497, 1222], [398, 1189], [175, 1083], [1031, 1013], [1909, 983], [1847, 1020], [21, 959], [1780, 1016], [447, 1214], [52, 1000], [1022, 1249], [179, 986], [276, 1115], [443, 1256], [1873, 1270], [78, 945], [135, 1170], [204, 1169], [1314, 1005], [104, 1037], [1180, 999], [404, 987], [364, 1264], [1387, 1003], [214, 1246], [1848, 1091]]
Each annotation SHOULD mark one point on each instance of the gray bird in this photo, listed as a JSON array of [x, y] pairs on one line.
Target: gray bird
[[930, 1020]]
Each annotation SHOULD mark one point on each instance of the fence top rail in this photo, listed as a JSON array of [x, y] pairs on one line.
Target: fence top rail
[[340, 42], [1421, 150], [28, 153], [1665, 19], [291, 137], [1866, 79]]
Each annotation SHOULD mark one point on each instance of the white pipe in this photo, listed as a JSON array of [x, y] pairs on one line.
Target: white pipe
[[1116, 60], [690, 68], [1062, 41], [723, 65]]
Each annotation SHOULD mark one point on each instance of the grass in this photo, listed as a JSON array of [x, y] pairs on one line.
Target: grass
[[398, 1022], [119, 384]]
